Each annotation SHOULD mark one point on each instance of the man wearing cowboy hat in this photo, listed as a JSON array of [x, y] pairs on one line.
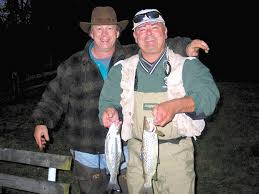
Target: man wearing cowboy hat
[[75, 91]]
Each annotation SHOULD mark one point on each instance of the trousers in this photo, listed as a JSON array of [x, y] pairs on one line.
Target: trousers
[[94, 180]]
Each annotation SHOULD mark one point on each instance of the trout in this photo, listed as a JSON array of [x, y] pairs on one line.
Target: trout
[[113, 151], [149, 154]]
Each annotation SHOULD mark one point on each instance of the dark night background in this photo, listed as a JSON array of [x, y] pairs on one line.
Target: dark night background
[[54, 34]]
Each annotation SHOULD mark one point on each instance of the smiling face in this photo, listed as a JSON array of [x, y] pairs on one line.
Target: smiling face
[[104, 37], [151, 38]]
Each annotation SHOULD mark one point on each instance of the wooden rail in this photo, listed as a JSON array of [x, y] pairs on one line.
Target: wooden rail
[[50, 161]]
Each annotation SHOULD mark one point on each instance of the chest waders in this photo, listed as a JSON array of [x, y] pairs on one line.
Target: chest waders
[[175, 171]]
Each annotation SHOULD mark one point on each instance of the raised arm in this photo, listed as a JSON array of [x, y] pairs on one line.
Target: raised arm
[[187, 47]]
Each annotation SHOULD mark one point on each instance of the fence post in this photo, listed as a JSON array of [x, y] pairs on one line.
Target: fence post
[[15, 85]]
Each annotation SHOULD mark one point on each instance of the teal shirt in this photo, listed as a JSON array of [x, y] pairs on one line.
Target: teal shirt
[[197, 80], [102, 64]]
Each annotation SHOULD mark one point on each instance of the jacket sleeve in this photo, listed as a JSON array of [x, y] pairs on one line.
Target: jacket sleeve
[[111, 91], [200, 85], [130, 50], [53, 101], [178, 44]]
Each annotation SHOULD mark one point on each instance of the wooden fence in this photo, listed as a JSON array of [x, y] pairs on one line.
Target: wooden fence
[[24, 83], [51, 161]]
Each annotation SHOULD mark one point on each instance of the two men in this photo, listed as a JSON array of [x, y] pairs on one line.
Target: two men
[[177, 92], [75, 91]]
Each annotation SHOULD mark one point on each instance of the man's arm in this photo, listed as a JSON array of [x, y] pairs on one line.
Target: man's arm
[[202, 95], [52, 104], [200, 85], [192, 49], [187, 47], [166, 111], [110, 94]]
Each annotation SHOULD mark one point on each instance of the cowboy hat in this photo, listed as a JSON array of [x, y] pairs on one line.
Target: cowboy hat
[[103, 16]]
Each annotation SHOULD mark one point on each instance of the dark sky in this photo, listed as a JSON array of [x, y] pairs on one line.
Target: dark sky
[[228, 29]]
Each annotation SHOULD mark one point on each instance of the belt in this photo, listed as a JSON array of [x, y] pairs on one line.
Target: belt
[[161, 141]]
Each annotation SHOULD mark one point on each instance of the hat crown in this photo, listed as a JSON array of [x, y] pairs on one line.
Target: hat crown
[[143, 11], [147, 15], [103, 15]]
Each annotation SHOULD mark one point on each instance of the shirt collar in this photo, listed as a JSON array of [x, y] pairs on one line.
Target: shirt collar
[[147, 66]]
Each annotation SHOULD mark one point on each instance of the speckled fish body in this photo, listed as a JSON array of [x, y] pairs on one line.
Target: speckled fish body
[[113, 151]]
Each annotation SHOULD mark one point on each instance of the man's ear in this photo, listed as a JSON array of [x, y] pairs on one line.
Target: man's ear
[[118, 34], [135, 36], [91, 34], [166, 32]]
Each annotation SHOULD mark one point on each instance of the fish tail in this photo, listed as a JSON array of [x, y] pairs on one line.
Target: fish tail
[[147, 190], [147, 187], [113, 185]]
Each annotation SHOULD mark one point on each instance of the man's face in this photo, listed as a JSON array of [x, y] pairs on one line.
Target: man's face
[[151, 37], [104, 36]]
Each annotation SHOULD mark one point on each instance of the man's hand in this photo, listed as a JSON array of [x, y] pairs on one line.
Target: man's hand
[[192, 49], [110, 116], [164, 113], [41, 136]]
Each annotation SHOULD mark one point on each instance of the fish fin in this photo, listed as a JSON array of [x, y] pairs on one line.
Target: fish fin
[[159, 133], [155, 176]]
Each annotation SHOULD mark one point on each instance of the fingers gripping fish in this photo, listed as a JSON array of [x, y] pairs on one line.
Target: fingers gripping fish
[[113, 151]]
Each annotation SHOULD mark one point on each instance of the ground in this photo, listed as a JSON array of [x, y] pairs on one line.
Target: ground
[[226, 154]]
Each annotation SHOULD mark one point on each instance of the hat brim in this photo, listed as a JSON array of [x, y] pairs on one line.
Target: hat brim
[[85, 26]]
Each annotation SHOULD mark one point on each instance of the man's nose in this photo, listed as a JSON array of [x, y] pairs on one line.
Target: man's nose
[[104, 32], [149, 31]]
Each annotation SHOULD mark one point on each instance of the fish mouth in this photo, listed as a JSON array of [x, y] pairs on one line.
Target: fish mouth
[[149, 126]]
